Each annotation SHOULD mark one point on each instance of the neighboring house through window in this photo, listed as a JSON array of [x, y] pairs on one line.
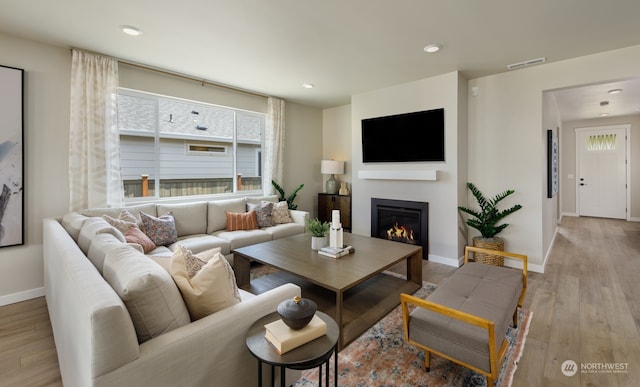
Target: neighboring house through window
[[173, 147]]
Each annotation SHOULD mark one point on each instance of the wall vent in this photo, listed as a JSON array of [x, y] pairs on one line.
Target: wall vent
[[526, 63]]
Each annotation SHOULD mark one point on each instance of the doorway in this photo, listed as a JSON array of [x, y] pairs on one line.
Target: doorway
[[602, 171]]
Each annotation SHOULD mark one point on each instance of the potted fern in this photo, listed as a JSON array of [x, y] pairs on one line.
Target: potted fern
[[319, 231], [486, 220]]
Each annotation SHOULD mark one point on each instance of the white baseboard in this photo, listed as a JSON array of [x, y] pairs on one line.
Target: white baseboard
[[21, 296], [634, 219], [444, 260]]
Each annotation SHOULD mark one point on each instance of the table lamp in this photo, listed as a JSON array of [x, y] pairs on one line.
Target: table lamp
[[332, 167]]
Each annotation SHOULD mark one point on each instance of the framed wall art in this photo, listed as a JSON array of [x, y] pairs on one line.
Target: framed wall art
[[552, 163], [11, 156]]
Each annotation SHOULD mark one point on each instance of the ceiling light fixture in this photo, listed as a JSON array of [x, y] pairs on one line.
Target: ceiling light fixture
[[604, 114], [308, 85], [433, 48], [615, 91], [130, 30]]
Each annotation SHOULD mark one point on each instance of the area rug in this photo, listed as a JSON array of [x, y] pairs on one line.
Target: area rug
[[380, 357]]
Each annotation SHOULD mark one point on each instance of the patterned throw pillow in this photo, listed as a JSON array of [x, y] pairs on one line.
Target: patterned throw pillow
[[280, 213], [263, 213], [125, 221], [241, 220], [162, 231], [135, 235]]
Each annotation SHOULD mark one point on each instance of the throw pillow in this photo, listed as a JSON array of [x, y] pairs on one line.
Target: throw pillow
[[125, 221], [263, 213], [241, 220], [280, 213], [148, 291], [135, 235], [162, 231], [212, 288]]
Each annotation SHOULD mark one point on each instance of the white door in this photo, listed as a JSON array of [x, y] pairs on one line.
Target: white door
[[602, 171]]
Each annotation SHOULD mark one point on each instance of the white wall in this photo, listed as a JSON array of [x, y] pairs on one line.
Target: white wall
[[568, 161], [442, 195], [336, 141], [506, 137], [46, 133]]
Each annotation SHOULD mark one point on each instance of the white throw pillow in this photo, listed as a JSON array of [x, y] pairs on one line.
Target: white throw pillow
[[280, 213], [212, 288]]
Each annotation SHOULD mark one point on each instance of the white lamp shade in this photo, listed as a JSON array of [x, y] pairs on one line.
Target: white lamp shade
[[331, 167]]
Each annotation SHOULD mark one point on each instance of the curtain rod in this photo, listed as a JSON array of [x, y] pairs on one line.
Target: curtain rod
[[190, 78], [179, 75]]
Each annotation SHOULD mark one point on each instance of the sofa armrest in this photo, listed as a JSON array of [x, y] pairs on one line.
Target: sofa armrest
[[210, 351], [299, 216]]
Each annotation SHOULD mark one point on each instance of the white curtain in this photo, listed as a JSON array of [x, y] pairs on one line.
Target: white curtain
[[94, 146], [273, 144]]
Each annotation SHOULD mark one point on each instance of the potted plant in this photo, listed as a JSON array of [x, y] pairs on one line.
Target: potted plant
[[486, 221], [283, 197], [319, 231]]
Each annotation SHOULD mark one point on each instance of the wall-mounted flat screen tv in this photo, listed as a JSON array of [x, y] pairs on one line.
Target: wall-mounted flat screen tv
[[417, 136]]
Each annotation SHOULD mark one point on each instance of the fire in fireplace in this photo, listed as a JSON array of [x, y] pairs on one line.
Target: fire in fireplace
[[401, 221]]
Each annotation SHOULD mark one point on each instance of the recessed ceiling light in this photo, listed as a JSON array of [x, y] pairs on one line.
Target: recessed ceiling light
[[615, 91], [308, 85], [433, 48], [604, 114], [130, 30]]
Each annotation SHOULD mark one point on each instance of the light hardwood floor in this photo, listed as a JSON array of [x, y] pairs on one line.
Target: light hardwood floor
[[585, 308]]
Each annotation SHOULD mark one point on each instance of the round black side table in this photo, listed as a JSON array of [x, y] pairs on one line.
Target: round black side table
[[310, 355]]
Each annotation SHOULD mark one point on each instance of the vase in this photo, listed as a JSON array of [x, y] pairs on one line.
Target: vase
[[318, 242]]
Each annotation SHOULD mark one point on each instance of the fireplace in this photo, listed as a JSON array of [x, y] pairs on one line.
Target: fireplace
[[401, 221]]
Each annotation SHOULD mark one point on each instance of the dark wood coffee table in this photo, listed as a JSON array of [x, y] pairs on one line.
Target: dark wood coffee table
[[352, 289]]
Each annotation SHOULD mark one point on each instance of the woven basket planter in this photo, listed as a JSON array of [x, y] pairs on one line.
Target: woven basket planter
[[495, 243]]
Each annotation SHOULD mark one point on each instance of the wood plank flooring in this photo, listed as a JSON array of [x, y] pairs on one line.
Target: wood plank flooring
[[585, 308]]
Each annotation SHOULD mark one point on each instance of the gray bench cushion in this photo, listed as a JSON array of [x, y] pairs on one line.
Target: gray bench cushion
[[485, 291]]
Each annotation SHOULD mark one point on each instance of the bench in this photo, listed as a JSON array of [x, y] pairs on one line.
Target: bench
[[466, 318]]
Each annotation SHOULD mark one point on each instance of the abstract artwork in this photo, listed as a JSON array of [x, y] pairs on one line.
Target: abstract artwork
[[552, 164], [11, 156]]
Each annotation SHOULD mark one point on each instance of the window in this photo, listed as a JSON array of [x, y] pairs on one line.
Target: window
[[173, 147]]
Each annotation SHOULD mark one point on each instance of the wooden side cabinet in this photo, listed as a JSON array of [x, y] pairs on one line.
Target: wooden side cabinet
[[329, 202]]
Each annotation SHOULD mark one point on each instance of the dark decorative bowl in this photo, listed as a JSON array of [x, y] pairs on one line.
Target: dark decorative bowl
[[297, 313]]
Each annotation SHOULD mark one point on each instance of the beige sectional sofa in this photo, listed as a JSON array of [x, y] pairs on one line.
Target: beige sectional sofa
[[97, 329]]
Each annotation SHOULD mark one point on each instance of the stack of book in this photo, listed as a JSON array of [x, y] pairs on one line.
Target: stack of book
[[284, 339], [335, 252]]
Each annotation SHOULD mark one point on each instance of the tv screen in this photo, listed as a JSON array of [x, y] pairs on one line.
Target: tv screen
[[417, 136]]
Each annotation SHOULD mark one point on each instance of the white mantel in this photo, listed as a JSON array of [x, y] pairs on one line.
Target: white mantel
[[426, 175]]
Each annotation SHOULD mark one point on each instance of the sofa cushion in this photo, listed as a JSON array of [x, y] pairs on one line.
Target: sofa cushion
[[284, 230], [152, 298], [280, 213], [123, 222], [73, 222], [149, 208], [263, 213], [216, 218], [260, 199], [200, 242], [191, 218], [161, 230], [241, 221], [100, 246], [244, 238], [212, 285], [135, 235], [93, 226]]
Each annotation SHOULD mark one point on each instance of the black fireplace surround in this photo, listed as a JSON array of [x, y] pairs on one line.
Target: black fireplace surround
[[401, 221]]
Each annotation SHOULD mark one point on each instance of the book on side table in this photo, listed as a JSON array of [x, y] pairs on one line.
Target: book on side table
[[284, 339]]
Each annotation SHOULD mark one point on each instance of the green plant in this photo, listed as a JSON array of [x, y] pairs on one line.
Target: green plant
[[487, 218], [317, 228], [283, 197]]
